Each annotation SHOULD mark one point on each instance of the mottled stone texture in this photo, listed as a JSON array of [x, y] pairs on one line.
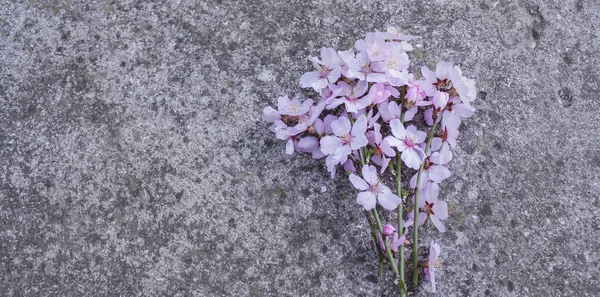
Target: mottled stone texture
[[133, 161]]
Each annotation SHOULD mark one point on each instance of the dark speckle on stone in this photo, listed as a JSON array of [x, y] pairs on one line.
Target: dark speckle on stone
[[534, 10], [371, 278], [567, 58], [565, 97], [178, 195], [231, 223], [486, 210], [481, 95], [498, 145], [514, 223], [511, 286], [305, 192], [596, 159]]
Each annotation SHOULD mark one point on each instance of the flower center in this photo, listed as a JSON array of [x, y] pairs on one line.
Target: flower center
[[377, 151], [346, 139], [428, 164], [323, 72], [410, 141], [392, 63], [443, 134], [428, 208], [374, 188]]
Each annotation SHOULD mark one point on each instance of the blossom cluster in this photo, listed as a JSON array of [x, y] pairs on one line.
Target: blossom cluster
[[370, 113]]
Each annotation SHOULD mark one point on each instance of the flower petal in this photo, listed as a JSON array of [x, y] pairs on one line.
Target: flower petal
[[411, 159], [358, 182], [366, 200], [329, 144], [430, 191], [440, 209], [360, 126], [341, 126], [369, 173], [341, 154], [308, 78], [289, 147], [438, 173], [386, 148], [437, 223], [410, 114], [359, 141], [308, 144], [393, 141], [398, 129], [389, 201]]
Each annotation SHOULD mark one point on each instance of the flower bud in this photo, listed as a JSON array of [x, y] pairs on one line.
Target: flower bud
[[440, 99], [413, 94], [388, 230]]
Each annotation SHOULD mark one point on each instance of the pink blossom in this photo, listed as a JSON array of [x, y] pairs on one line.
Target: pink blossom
[[433, 168], [371, 118], [389, 111], [330, 92], [464, 87], [359, 66], [373, 190], [450, 124], [400, 239], [407, 141], [286, 107], [319, 129], [346, 138], [395, 63], [382, 151], [443, 156], [440, 80], [288, 134], [415, 98], [388, 230], [379, 92], [432, 208], [455, 106], [448, 78], [351, 97], [440, 99], [327, 70]]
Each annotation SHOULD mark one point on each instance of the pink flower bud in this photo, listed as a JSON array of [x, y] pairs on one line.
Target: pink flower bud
[[440, 99], [388, 230]]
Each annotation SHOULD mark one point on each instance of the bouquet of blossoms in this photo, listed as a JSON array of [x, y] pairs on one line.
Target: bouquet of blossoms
[[364, 119]]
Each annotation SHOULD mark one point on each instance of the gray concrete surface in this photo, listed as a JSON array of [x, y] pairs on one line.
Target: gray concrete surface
[[133, 161]]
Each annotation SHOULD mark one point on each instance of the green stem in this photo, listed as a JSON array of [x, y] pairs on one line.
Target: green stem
[[400, 211], [374, 235], [388, 251], [416, 208]]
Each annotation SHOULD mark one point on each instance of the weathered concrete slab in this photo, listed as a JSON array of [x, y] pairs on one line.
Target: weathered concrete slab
[[133, 160]]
